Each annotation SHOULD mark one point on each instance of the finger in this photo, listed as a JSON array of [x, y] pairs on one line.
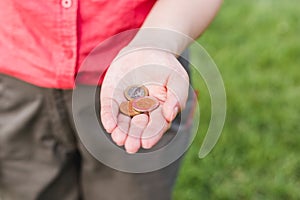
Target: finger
[[120, 133], [155, 129], [137, 126], [177, 94], [109, 113], [158, 91], [110, 97], [171, 107]]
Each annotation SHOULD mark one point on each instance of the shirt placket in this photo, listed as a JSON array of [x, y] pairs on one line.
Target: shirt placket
[[68, 37]]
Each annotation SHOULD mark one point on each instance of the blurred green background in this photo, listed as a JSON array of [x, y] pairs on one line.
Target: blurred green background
[[256, 45]]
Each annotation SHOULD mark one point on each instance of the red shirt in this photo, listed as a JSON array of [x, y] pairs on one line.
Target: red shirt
[[44, 42]]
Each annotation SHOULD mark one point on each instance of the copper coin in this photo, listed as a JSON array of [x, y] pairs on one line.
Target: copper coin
[[134, 92], [145, 104], [127, 109]]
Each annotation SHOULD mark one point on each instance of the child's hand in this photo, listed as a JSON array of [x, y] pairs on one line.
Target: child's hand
[[165, 79]]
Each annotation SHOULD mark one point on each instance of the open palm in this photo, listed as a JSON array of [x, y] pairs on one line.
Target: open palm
[[165, 79]]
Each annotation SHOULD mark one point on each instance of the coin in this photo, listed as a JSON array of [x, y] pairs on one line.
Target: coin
[[145, 104], [134, 92], [127, 109]]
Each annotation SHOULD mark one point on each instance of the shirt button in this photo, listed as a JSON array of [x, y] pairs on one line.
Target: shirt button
[[66, 3]]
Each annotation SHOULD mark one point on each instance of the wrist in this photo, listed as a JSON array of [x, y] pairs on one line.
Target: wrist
[[160, 39]]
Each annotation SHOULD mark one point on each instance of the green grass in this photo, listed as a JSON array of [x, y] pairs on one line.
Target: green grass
[[256, 45]]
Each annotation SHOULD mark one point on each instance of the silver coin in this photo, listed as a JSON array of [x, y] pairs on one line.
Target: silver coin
[[134, 92]]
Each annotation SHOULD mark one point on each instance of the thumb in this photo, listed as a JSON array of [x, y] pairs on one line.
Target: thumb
[[170, 107], [177, 93]]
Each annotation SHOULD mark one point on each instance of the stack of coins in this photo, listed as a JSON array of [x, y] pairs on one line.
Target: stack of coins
[[138, 102]]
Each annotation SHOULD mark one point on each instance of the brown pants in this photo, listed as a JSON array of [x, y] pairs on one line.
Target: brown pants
[[41, 157]]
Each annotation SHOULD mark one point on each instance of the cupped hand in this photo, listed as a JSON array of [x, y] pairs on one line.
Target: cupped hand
[[165, 79]]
